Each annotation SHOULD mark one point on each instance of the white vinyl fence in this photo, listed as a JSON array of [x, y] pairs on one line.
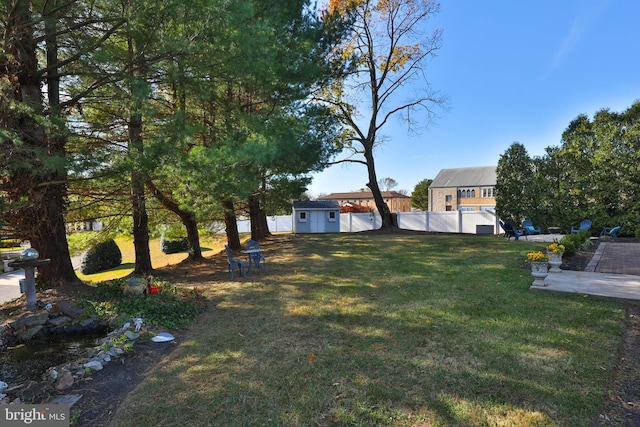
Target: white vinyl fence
[[469, 222]]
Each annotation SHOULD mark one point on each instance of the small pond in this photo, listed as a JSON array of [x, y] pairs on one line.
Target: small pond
[[31, 360]]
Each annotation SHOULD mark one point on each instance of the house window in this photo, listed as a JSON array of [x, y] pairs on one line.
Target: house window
[[332, 216], [302, 217], [448, 198], [448, 208], [466, 193], [489, 192]]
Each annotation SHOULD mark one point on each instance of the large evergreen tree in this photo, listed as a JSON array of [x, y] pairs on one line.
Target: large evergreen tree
[[33, 135], [515, 176]]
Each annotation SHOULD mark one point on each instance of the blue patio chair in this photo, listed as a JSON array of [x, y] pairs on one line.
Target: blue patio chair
[[528, 228], [255, 258], [234, 263], [585, 225], [509, 231], [611, 231]]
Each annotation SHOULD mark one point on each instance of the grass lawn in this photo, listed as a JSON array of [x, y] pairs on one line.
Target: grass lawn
[[209, 246], [389, 330]]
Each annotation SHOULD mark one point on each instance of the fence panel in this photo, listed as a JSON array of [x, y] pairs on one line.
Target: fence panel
[[440, 222], [470, 219], [443, 222], [354, 222], [413, 220], [280, 223]]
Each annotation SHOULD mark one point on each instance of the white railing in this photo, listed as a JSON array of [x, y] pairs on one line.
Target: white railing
[[469, 222]]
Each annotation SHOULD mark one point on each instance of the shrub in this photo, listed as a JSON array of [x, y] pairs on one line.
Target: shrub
[[100, 257], [569, 243], [573, 242], [174, 246]]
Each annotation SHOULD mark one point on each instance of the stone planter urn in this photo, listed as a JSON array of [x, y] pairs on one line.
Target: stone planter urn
[[539, 271], [134, 286], [555, 261]]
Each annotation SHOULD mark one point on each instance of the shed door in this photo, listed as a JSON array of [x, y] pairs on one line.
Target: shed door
[[317, 221]]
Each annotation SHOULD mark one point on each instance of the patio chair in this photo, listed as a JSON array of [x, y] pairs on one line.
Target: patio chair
[[611, 231], [585, 225], [255, 258], [509, 231], [528, 228], [233, 263]]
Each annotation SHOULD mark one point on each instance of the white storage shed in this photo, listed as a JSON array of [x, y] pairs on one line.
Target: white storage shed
[[316, 217]]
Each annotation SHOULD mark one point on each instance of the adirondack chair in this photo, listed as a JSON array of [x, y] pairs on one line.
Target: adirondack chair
[[611, 231], [528, 228], [509, 231], [233, 263], [585, 225], [255, 258]]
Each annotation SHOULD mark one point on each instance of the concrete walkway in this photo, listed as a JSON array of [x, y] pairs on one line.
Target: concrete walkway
[[608, 285], [613, 272], [10, 282], [10, 285]]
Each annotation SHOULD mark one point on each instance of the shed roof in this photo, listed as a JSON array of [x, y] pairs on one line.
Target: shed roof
[[465, 177], [316, 205]]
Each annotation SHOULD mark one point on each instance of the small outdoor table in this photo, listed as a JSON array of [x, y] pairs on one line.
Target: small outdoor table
[[554, 230], [29, 266], [254, 258]]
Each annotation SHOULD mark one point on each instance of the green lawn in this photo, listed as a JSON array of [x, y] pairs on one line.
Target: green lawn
[[388, 330], [209, 246]]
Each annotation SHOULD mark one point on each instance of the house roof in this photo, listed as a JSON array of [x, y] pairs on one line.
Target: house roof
[[465, 177], [363, 195], [315, 205]]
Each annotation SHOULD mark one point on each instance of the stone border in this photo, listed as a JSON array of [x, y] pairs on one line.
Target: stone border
[[595, 259]]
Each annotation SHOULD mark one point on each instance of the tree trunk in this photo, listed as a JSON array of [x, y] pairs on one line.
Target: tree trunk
[[36, 209], [50, 239], [138, 202], [188, 220], [136, 152], [381, 205], [259, 226], [231, 226]]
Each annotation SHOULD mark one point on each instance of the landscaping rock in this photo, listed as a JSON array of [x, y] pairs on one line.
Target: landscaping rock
[[64, 381], [67, 309], [131, 336], [27, 334], [115, 351], [27, 320], [94, 365], [59, 321]]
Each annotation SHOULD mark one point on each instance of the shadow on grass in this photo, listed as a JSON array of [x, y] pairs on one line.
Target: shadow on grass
[[389, 330]]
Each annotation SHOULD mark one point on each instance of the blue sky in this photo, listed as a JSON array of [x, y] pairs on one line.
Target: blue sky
[[513, 71]]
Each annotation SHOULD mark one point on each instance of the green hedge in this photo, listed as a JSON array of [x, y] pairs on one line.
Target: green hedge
[[100, 257], [174, 246]]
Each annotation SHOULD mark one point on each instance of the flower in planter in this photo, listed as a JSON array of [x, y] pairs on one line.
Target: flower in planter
[[537, 257], [555, 248]]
